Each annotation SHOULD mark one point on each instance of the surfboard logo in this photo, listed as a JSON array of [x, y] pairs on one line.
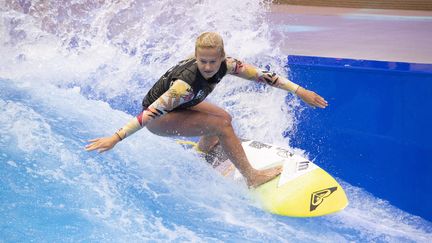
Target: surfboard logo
[[284, 153], [318, 197], [304, 165], [259, 145]]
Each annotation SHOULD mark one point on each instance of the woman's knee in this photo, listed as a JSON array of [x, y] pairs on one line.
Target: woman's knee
[[227, 117], [223, 115], [222, 124]]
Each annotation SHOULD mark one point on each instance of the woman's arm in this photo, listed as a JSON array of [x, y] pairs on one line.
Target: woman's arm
[[179, 93], [247, 71]]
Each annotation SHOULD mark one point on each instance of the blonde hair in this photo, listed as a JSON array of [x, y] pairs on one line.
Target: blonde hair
[[210, 40]]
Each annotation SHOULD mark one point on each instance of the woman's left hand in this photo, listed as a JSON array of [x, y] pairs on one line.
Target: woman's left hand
[[311, 98]]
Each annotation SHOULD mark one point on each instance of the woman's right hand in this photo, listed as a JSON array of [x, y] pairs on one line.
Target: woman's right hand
[[103, 144]]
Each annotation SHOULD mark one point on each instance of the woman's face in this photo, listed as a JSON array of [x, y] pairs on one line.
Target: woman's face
[[209, 61]]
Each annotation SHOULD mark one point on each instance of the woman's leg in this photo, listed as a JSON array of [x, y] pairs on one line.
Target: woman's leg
[[190, 122], [206, 143]]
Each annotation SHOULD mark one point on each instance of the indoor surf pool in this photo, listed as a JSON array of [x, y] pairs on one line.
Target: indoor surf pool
[[72, 71]]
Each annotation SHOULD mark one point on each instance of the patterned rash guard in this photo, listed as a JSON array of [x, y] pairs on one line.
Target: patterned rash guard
[[188, 72], [183, 86]]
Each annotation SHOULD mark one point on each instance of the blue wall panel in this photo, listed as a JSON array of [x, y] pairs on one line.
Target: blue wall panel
[[376, 132]]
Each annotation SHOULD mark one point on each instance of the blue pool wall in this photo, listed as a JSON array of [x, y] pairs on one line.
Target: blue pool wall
[[376, 132]]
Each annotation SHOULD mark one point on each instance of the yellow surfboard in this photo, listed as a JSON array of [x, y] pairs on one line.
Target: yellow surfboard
[[302, 189]]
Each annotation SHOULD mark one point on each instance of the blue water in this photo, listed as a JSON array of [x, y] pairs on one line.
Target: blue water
[[381, 132], [70, 72]]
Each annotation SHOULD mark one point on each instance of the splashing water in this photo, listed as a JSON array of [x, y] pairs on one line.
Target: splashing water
[[74, 70]]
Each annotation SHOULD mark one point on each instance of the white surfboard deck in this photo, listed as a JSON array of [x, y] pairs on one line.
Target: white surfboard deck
[[303, 189]]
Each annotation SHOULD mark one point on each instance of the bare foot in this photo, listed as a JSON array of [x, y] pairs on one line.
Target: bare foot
[[262, 176]]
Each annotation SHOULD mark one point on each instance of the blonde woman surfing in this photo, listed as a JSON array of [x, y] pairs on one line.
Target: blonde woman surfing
[[175, 105]]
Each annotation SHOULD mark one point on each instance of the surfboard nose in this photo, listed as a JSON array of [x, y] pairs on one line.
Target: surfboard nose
[[313, 194]]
